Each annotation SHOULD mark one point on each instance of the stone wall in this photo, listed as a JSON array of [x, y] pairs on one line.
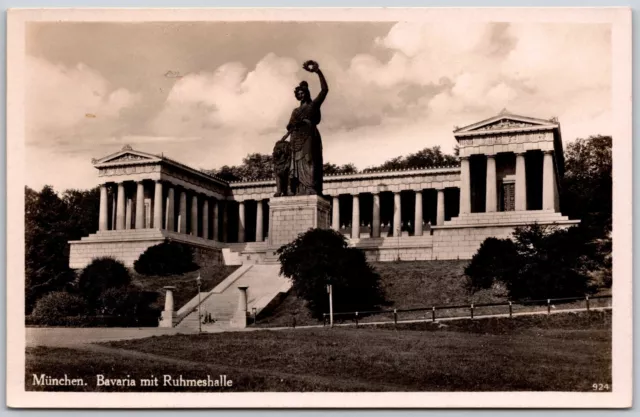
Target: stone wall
[[81, 255]]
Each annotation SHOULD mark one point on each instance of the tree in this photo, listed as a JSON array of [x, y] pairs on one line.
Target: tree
[[254, 166], [166, 258], [319, 257], [333, 169], [540, 262], [46, 249], [494, 261], [587, 184], [426, 158], [100, 275], [83, 207]]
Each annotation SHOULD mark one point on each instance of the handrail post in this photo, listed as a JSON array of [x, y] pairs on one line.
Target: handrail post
[[471, 311], [356, 319], [324, 319], [548, 306], [587, 301], [433, 313], [510, 310], [395, 317]]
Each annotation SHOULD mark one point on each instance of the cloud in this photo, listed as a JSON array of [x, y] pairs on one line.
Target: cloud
[[61, 100], [397, 93], [231, 98]]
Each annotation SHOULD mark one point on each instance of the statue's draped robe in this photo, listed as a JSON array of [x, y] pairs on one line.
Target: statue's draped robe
[[306, 145]]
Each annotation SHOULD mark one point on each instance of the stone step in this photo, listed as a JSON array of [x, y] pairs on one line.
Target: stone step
[[263, 284]]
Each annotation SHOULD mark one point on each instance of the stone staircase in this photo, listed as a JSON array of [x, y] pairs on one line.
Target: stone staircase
[[264, 285], [507, 218]]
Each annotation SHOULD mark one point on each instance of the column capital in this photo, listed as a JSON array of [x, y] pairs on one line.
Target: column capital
[[490, 155], [463, 158], [548, 152], [520, 153], [418, 191]]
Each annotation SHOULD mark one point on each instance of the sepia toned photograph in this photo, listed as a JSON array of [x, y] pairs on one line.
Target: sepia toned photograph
[[319, 208]]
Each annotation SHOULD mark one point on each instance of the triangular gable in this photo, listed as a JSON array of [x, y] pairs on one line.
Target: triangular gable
[[506, 121], [127, 155]]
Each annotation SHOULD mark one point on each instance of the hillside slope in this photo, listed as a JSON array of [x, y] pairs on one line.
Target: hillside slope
[[406, 285], [185, 284]]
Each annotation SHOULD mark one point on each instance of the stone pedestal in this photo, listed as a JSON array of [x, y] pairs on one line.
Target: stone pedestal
[[169, 316], [290, 216], [239, 319]]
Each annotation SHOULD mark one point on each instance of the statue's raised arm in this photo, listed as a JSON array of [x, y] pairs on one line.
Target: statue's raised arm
[[312, 66]]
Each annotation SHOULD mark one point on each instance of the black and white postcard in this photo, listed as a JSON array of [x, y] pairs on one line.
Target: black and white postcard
[[319, 208]]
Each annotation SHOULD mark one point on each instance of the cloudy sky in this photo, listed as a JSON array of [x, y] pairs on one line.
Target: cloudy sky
[[207, 94]]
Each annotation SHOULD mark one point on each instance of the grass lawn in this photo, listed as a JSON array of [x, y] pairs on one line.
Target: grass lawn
[[185, 283], [406, 285], [564, 352]]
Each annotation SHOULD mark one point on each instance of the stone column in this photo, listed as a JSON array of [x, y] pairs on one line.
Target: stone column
[[129, 212], [120, 211], [182, 217], [397, 214], [440, 208], [114, 209], [140, 205], [465, 186], [171, 209], [225, 221], [103, 223], [548, 182], [355, 217], [375, 224], [418, 215], [205, 218], [241, 222], [157, 206], [259, 221], [214, 226], [521, 183], [335, 218], [491, 197], [194, 214]]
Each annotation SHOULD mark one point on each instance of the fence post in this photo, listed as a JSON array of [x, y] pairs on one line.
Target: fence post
[[510, 310], [433, 313], [356, 319], [587, 301], [395, 317], [471, 311], [324, 319], [548, 306]]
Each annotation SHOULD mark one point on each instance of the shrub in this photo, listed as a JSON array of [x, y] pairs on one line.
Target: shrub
[[540, 262], [55, 305], [167, 258], [100, 275], [495, 260], [127, 302], [319, 257]]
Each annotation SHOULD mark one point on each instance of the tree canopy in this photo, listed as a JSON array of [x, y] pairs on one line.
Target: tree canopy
[[587, 184], [260, 166], [320, 257], [425, 158], [50, 222]]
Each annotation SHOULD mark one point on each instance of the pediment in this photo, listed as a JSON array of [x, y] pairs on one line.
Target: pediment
[[505, 121], [126, 155]]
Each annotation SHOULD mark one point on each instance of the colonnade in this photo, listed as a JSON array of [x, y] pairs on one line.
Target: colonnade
[[549, 185], [418, 219], [173, 208]]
